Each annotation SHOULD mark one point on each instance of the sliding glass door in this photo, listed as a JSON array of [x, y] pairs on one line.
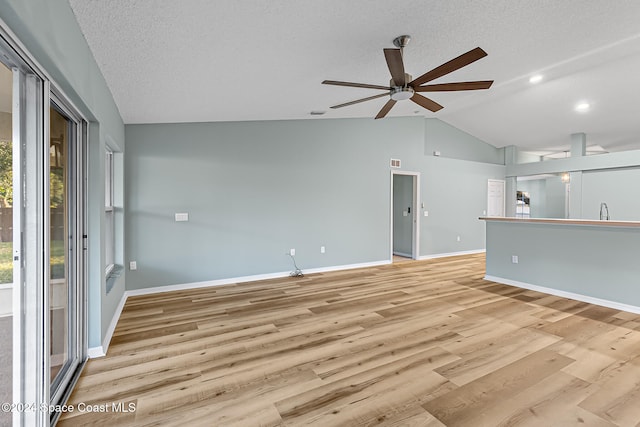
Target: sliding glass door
[[42, 238]]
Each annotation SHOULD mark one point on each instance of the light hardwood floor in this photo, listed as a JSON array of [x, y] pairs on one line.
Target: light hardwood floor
[[422, 343]]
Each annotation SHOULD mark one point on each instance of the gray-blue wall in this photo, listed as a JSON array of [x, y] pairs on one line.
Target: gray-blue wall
[[253, 190], [588, 261], [618, 188]]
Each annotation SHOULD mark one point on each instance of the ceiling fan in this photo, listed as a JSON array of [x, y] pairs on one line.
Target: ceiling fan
[[402, 87]]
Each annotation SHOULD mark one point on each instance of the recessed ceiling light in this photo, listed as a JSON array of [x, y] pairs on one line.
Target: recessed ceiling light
[[582, 107], [535, 79]]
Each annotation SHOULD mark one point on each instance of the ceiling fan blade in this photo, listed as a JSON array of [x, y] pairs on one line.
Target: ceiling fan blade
[[426, 102], [451, 66], [386, 108], [349, 84], [357, 101], [396, 66], [445, 87]]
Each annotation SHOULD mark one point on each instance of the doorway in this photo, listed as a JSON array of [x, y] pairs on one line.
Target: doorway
[[404, 215]]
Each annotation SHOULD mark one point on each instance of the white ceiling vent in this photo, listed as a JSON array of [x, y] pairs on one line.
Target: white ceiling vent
[[395, 163]]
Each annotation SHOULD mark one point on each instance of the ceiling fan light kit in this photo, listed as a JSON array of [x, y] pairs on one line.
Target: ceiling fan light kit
[[402, 86], [401, 93]]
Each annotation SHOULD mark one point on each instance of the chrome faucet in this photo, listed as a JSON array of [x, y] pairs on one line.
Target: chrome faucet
[[604, 211]]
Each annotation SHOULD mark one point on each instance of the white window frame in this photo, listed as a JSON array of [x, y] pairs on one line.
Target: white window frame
[[109, 214]]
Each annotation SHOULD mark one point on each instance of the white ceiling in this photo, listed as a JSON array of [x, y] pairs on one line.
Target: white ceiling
[[231, 60]]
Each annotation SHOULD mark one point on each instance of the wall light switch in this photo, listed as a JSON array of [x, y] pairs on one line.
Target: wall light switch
[[292, 252], [426, 213], [458, 238], [182, 217], [322, 249], [133, 265], [405, 213]]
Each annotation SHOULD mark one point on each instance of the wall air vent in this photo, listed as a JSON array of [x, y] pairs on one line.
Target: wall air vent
[[395, 163]]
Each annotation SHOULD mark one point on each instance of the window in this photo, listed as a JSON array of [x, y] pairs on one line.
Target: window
[[109, 241]]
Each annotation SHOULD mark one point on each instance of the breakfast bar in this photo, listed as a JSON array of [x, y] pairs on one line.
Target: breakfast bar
[[587, 260]]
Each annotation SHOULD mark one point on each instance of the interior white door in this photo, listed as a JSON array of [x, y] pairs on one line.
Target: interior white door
[[495, 200]]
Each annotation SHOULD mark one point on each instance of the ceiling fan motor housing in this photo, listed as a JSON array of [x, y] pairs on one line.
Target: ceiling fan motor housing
[[402, 93]]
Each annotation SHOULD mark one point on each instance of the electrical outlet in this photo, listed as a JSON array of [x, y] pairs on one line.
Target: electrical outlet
[[133, 265], [514, 259], [322, 249], [292, 252]]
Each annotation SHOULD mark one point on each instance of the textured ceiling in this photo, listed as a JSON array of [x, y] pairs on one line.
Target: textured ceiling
[[230, 60]]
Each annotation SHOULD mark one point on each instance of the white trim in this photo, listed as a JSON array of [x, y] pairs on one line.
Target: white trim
[[559, 293], [101, 351], [206, 284], [346, 267], [244, 279], [448, 254], [95, 352]]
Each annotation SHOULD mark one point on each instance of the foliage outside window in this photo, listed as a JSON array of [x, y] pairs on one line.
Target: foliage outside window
[[6, 209]]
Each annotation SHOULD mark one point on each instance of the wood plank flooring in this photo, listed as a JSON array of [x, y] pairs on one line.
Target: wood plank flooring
[[420, 343]]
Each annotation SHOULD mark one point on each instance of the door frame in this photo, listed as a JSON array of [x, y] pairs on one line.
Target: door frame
[[415, 233]]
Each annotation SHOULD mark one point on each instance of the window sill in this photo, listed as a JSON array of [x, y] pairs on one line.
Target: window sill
[[113, 275]]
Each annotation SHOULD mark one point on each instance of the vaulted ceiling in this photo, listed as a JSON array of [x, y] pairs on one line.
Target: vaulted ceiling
[[230, 60]]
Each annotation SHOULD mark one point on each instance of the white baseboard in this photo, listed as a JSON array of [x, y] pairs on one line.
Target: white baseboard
[[346, 267], [101, 351], [564, 294], [448, 254], [95, 352], [244, 279]]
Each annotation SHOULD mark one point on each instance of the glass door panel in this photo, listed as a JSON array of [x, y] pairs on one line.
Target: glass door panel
[[59, 268]]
